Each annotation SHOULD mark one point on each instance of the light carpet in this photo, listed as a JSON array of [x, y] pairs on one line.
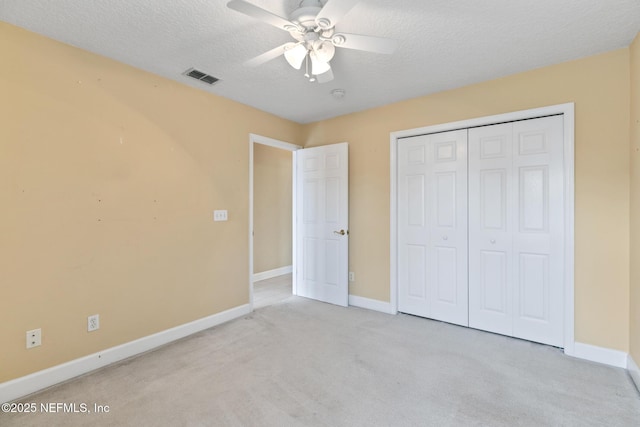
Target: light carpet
[[305, 363]]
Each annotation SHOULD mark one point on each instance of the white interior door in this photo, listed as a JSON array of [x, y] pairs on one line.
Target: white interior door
[[322, 218], [516, 229], [432, 226]]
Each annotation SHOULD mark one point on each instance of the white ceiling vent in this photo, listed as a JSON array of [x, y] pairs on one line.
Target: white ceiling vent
[[199, 75]]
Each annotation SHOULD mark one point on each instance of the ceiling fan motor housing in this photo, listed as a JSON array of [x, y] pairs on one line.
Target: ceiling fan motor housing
[[306, 14]]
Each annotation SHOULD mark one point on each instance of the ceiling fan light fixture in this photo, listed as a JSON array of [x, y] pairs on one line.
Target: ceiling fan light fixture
[[324, 50], [318, 66], [295, 55]]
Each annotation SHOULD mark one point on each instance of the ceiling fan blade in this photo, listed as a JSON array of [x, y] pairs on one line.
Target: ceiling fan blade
[[325, 77], [263, 15], [366, 43], [333, 11], [267, 56]]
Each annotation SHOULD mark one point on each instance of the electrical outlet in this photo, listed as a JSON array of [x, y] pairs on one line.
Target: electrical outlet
[[93, 322], [352, 276], [34, 338]]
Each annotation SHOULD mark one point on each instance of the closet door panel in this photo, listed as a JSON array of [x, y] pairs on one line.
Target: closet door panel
[[448, 262], [414, 237], [432, 226], [490, 228], [538, 236], [516, 229]]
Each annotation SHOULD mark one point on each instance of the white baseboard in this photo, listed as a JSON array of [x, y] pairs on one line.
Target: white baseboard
[[370, 304], [14, 389], [634, 371], [600, 354], [272, 273]]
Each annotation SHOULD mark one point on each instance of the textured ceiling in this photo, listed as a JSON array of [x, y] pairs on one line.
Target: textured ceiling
[[442, 44]]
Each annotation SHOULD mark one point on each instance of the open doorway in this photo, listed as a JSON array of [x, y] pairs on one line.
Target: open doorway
[[271, 237]]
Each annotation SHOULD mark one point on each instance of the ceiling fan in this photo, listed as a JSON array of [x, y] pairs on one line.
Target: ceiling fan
[[312, 25]]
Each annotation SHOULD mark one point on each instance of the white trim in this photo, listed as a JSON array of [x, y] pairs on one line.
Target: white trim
[[251, 221], [487, 120], [264, 140], [19, 387], [567, 110], [263, 275], [393, 215], [604, 355], [294, 224], [569, 230], [371, 304], [634, 371]]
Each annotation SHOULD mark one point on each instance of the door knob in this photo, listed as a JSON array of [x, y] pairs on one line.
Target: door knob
[[341, 232], [445, 237], [493, 241]]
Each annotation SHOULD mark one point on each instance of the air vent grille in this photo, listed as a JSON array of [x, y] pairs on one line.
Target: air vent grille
[[199, 75], [209, 79]]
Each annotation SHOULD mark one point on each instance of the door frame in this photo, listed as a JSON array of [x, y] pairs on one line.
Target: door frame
[[264, 140], [568, 113]]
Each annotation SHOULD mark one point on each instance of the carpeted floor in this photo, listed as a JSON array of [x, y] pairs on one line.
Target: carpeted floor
[[305, 363], [271, 291]]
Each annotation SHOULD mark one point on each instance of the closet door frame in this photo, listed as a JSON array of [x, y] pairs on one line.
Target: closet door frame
[[567, 112]]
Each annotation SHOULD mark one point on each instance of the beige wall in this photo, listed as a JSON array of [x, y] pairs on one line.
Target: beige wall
[[634, 319], [599, 86], [272, 184], [108, 181]]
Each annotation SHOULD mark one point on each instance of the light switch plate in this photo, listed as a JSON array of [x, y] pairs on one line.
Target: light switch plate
[[220, 215]]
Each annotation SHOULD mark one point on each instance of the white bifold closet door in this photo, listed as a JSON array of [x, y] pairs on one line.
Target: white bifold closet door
[[432, 222], [481, 233], [516, 229]]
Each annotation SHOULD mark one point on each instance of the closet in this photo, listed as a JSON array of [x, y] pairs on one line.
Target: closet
[[481, 228]]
